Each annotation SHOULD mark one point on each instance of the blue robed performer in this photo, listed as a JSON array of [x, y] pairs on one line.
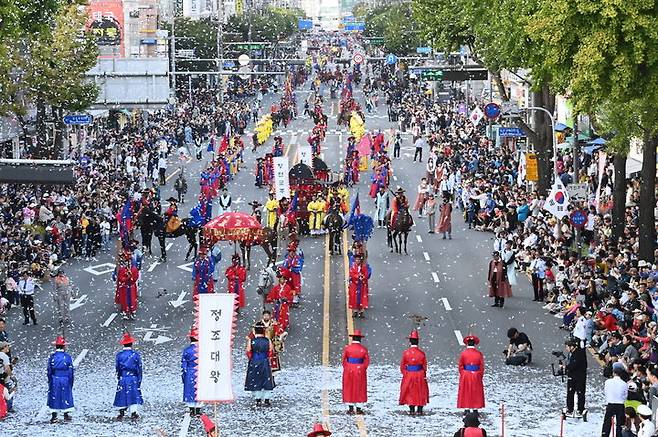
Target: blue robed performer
[[60, 382], [129, 374], [202, 273], [259, 373], [189, 364]]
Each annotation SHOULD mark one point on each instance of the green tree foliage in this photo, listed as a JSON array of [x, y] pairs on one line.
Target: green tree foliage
[[607, 51], [396, 24], [200, 35], [271, 24]]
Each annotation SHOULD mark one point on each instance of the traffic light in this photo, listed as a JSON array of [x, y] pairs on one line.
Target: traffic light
[[432, 74]]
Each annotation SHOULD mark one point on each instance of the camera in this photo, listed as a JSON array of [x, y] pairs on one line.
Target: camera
[[558, 369]]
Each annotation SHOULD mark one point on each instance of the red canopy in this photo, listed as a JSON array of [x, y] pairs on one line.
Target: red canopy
[[233, 226]]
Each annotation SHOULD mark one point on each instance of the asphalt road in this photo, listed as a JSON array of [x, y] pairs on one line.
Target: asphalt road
[[441, 280]]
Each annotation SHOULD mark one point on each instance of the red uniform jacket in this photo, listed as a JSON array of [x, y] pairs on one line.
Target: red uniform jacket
[[281, 296], [471, 371], [236, 275], [355, 376], [359, 275], [126, 293], [414, 389]]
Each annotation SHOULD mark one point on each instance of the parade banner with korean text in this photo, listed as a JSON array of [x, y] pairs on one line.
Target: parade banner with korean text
[[281, 178], [531, 167], [215, 325], [306, 155]]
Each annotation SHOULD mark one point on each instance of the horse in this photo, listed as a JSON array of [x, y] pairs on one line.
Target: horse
[[401, 228], [153, 223], [268, 242], [266, 280], [333, 223]]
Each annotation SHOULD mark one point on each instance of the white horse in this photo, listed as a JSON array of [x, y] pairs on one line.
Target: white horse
[[266, 280]]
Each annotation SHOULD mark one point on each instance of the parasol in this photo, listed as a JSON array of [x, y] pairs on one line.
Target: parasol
[[233, 226]]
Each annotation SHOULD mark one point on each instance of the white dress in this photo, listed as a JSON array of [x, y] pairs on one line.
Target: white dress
[[511, 268]]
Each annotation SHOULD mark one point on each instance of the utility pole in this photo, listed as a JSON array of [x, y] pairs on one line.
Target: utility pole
[[173, 53], [220, 47], [575, 151]]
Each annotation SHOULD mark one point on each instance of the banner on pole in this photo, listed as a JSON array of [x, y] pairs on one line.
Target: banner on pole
[[306, 155], [558, 200], [215, 325], [281, 178], [531, 169]]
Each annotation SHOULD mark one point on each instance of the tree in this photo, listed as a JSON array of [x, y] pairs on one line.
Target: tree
[[495, 33], [271, 24], [54, 70], [396, 24], [198, 35], [19, 20], [608, 51]]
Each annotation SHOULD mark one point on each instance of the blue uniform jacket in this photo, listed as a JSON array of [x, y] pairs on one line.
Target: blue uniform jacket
[[188, 366], [129, 373], [60, 381]]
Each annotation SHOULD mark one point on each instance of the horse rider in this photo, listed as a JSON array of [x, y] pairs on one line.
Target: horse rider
[[171, 216], [399, 202]]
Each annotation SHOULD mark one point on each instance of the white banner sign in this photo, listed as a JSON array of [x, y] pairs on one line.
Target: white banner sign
[[215, 338], [306, 155], [281, 180], [577, 192], [558, 200]]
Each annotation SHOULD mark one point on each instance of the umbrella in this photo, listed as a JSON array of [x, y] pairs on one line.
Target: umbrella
[[233, 226], [301, 171], [598, 142], [560, 127]]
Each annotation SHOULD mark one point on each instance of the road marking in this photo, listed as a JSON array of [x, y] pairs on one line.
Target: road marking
[[435, 277], [172, 175], [168, 246], [179, 301], [458, 334], [346, 265], [187, 267], [185, 425], [80, 357], [446, 304], [326, 328], [153, 266], [395, 178], [100, 269], [419, 239], [77, 303], [110, 319], [427, 256]]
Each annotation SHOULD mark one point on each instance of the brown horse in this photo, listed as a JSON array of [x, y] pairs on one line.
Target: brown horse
[[268, 242], [398, 233]]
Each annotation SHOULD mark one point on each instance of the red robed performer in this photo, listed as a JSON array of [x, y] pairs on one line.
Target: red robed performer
[[414, 390], [281, 296], [236, 275], [126, 292], [358, 290], [355, 373], [471, 371]]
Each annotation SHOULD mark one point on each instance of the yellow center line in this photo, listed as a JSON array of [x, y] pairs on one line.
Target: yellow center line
[[360, 423], [326, 327], [172, 175]]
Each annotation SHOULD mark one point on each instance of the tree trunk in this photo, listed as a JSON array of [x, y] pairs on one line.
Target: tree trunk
[[619, 197], [648, 198], [544, 144], [60, 128]]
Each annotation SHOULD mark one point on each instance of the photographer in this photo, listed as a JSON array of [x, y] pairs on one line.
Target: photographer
[[519, 351], [575, 368]]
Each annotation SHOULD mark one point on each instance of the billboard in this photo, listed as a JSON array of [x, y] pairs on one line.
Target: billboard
[[106, 23]]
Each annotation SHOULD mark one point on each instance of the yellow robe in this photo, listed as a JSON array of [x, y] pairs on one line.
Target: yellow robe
[[271, 206]]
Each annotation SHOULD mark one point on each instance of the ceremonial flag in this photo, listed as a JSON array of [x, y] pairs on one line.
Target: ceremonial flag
[[558, 200], [293, 204], [216, 321], [476, 116], [354, 210]]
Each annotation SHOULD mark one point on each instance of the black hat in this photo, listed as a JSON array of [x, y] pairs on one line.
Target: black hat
[[471, 419], [171, 199]]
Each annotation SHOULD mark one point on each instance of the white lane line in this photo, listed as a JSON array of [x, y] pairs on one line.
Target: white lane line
[[168, 246], [435, 277], [460, 339], [419, 239], [172, 175], [446, 304], [110, 319], [80, 357], [427, 256], [185, 425], [153, 266], [293, 139], [395, 178]]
